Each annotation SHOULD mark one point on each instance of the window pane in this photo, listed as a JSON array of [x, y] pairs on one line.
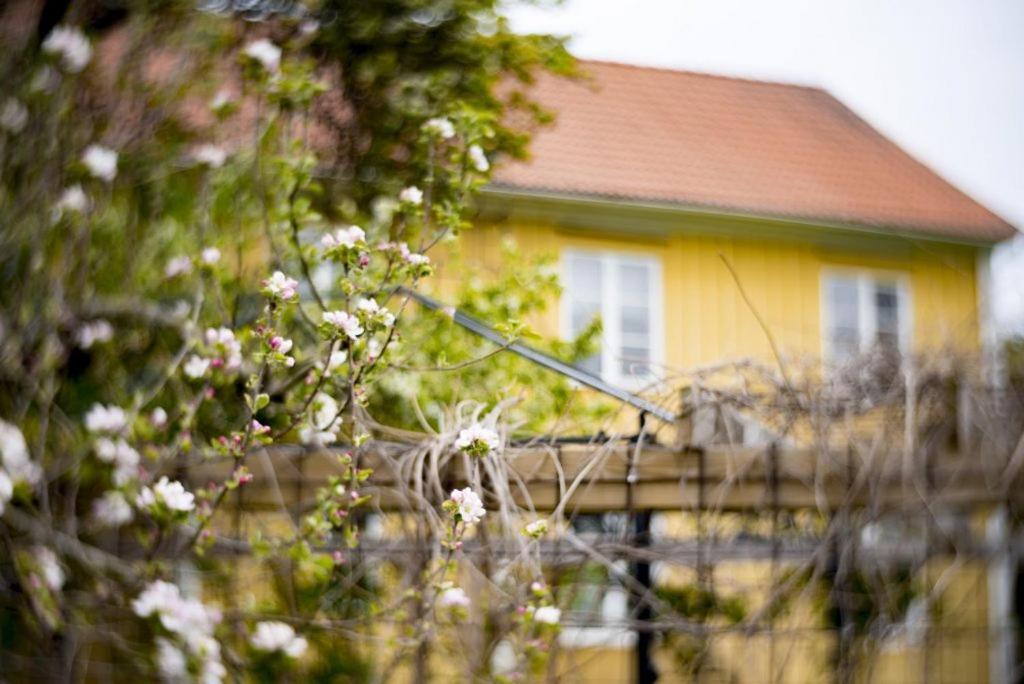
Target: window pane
[[584, 300], [634, 318], [887, 315], [843, 315]]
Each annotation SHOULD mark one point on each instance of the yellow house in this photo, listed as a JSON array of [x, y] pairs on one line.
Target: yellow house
[[708, 219], [668, 194]]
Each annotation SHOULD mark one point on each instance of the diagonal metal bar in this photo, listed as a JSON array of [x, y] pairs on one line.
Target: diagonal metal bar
[[540, 358]]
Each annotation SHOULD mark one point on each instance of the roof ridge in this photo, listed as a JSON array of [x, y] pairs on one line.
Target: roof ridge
[[704, 74]]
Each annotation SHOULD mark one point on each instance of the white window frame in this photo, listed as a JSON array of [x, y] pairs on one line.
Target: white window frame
[[611, 338], [867, 324]]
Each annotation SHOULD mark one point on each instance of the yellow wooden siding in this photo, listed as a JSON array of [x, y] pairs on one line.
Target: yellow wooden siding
[[705, 317]]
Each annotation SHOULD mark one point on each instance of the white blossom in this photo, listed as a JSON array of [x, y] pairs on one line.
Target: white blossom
[[478, 159], [210, 155], [71, 45], [111, 510], [13, 115], [440, 127], [470, 507], [547, 615], [169, 493], [478, 440], [72, 199], [411, 195], [224, 342], [372, 309], [49, 567], [170, 660], [209, 256], [344, 237], [196, 367], [101, 162], [281, 286], [453, 597], [536, 529], [278, 636], [344, 322], [92, 332], [179, 265], [158, 417], [111, 419], [264, 52], [15, 457]]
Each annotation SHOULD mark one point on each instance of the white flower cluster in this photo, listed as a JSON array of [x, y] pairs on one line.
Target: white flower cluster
[[106, 419], [210, 155], [344, 322], [178, 266], [111, 510], [373, 312], [226, 348], [188, 620], [265, 53], [478, 159], [93, 332], [72, 200], [209, 256], [16, 466], [452, 597], [280, 286], [351, 237], [439, 126], [13, 116], [536, 529], [547, 615], [71, 46], [48, 566], [477, 440], [101, 162], [121, 455], [278, 637], [411, 195], [469, 507], [166, 495], [324, 421]]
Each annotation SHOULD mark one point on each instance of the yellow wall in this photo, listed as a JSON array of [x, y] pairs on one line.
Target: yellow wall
[[705, 317]]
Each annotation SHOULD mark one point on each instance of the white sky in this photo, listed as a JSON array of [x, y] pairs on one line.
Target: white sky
[[943, 78]]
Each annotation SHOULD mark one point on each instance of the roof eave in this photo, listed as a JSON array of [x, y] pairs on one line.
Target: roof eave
[[661, 217]]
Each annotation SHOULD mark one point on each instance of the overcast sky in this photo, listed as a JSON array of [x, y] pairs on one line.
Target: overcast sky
[[944, 78]]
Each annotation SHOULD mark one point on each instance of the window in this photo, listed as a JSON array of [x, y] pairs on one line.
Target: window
[[625, 291], [864, 312]]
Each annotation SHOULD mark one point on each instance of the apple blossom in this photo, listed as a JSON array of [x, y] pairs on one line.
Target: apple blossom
[[280, 286], [342, 321], [348, 237], [439, 126], [274, 636], [210, 155], [196, 367], [6, 489], [411, 195], [49, 567], [111, 510], [92, 332], [453, 597], [209, 256], [468, 505], [71, 45], [478, 440], [536, 529], [478, 159], [109, 419], [171, 494], [101, 162], [13, 116], [73, 199], [547, 615], [180, 265], [15, 457], [264, 52]]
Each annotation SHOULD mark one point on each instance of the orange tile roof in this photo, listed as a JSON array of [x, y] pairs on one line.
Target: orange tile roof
[[772, 149]]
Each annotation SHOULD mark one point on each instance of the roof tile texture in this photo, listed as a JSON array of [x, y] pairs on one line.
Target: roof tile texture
[[749, 146]]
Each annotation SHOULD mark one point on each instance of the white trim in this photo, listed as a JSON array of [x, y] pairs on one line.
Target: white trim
[[610, 307], [866, 279]]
